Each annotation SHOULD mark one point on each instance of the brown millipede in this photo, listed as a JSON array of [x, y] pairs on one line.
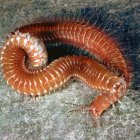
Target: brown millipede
[[31, 76]]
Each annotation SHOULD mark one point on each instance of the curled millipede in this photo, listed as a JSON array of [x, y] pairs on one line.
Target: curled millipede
[[31, 76]]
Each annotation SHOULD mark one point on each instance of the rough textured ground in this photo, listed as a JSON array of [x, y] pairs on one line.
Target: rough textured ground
[[47, 118]]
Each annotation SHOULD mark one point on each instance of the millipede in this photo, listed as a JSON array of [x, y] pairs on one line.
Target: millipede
[[25, 67]]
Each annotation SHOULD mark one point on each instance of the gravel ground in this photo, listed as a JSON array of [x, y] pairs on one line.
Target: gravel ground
[[48, 117]]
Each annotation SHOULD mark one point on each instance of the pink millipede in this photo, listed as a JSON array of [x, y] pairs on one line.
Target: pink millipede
[[31, 76]]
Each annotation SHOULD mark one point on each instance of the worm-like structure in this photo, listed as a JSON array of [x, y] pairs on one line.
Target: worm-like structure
[[24, 58]]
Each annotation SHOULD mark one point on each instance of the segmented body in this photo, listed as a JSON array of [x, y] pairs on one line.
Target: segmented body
[[33, 77]]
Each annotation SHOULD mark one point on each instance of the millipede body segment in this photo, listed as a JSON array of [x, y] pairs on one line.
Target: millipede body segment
[[24, 61]]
